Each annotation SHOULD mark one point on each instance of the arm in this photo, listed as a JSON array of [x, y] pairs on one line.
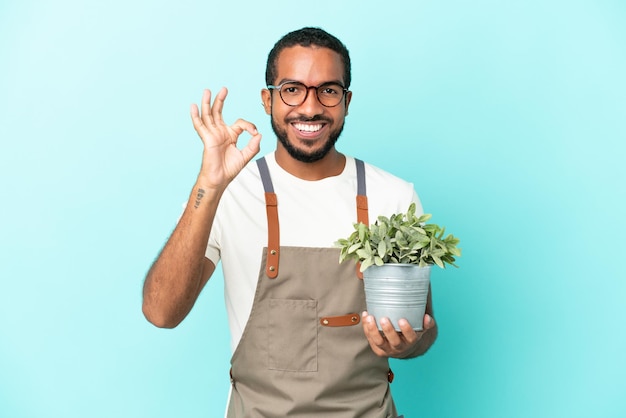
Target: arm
[[406, 344], [181, 270]]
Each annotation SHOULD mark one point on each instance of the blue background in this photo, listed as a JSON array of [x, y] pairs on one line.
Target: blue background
[[509, 118]]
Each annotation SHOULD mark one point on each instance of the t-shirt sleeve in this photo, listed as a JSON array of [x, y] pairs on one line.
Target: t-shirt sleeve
[[419, 210], [213, 247]]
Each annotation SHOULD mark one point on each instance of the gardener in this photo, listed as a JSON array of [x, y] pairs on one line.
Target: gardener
[[302, 344]]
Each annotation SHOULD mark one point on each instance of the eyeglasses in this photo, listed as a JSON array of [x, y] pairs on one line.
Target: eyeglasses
[[294, 93]]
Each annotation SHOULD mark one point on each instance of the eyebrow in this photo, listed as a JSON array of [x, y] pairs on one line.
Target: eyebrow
[[289, 80]]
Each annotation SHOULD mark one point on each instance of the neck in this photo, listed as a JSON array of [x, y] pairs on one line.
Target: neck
[[331, 165]]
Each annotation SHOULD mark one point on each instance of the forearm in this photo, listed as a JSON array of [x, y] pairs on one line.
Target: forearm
[[177, 276]]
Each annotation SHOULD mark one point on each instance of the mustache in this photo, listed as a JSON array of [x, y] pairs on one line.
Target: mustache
[[316, 118]]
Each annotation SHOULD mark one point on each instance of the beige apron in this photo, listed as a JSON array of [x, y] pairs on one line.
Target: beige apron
[[303, 352]]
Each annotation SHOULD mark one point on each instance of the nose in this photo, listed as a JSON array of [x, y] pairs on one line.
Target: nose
[[311, 105]]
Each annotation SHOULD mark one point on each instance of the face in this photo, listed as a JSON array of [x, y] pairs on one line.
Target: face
[[308, 131]]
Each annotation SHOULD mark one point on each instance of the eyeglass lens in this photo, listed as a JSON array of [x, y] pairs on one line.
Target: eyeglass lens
[[294, 94]]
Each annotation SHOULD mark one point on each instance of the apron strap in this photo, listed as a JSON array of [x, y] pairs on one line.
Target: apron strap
[[271, 207], [361, 197], [361, 203]]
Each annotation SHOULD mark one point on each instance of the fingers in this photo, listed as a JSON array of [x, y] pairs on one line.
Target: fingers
[[253, 146], [371, 331], [397, 341], [389, 342], [242, 125], [218, 105], [212, 114], [209, 115], [220, 140], [198, 125], [429, 322], [205, 107], [199, 117], [252, 149]]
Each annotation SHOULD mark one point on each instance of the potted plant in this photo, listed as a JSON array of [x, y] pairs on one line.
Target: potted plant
[[395, 256]]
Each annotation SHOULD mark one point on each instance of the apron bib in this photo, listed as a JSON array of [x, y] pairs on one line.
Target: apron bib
[[303, 352]]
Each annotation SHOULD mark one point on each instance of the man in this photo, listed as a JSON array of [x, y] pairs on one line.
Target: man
[[293, 310]]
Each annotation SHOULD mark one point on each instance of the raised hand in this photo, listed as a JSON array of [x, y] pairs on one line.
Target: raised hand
[[221, 160]]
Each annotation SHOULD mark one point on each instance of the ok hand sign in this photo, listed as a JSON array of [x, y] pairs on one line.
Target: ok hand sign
[[221, 160]]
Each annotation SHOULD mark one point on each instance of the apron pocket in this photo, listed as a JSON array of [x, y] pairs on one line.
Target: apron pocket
[[292, 335]]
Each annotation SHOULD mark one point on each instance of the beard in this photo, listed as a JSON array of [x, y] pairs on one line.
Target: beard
[[301, 155]]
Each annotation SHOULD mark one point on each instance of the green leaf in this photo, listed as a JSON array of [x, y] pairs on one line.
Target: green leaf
[[362, 232], [425, 217], [363, 253], [366, 263], [401, 237], [420, 244], [354, 247], [382, 248]]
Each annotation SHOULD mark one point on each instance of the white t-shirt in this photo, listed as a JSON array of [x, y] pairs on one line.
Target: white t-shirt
[[310, 213]]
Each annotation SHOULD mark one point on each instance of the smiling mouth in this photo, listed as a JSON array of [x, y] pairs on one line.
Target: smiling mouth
[[308, 127]]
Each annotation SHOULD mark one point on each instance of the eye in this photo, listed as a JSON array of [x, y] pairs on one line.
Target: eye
[[292, 89], [330, 90]]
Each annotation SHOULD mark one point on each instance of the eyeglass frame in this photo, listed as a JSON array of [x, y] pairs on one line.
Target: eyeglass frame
[[306, 95]]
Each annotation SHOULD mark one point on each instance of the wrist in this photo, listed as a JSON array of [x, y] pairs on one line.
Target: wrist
[[204, 195]]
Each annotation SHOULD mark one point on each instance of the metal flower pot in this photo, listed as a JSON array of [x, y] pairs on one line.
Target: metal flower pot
[[397, 291]]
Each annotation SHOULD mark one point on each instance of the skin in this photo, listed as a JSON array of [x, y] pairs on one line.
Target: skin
[[405, 344], [181, 271], [311, 66]]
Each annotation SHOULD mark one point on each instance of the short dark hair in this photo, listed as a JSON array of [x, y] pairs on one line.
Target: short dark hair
[[307, 37]]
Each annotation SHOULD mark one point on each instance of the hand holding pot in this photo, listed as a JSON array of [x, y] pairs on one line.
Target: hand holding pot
[[405, 344]]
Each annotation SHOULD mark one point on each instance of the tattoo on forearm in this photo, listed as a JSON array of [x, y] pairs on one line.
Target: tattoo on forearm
[[199, 197]]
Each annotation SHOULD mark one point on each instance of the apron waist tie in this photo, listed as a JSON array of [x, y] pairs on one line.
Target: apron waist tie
[[390, 376]]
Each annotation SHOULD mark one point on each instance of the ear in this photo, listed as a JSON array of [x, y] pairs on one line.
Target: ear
[[348, 99], [266, 97]]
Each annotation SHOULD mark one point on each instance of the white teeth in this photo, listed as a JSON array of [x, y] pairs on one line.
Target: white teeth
[[307, 128]]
